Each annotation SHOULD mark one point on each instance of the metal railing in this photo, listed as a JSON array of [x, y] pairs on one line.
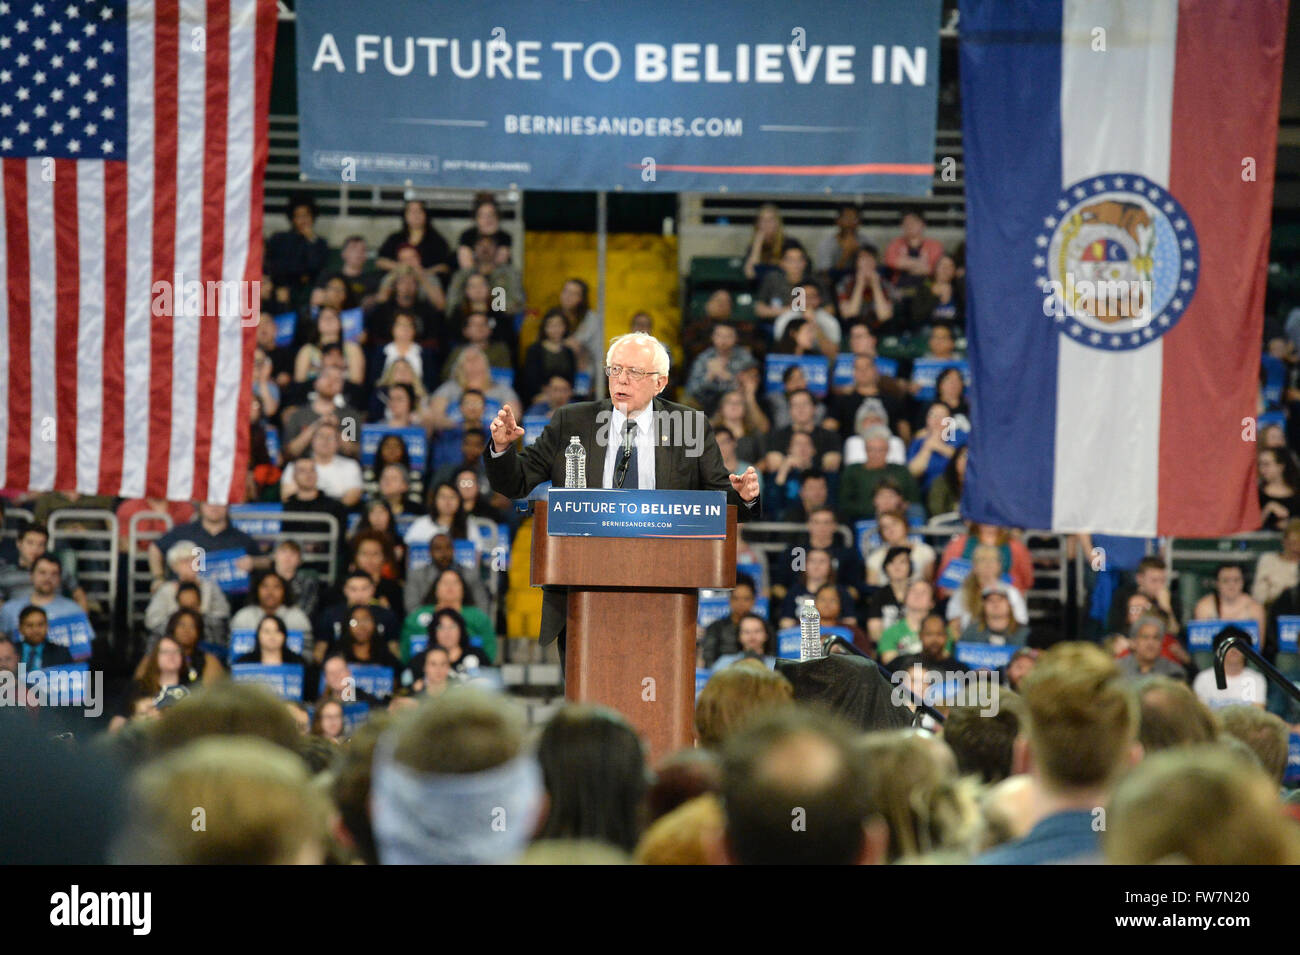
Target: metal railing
[[139, 578], [15, 518], [91, 536]]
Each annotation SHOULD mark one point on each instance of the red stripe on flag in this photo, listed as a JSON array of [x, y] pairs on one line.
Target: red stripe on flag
[[216, 104], [112, 440], [18, 254], [166, 40], [67, 320], [264, 50], [1227, 53]]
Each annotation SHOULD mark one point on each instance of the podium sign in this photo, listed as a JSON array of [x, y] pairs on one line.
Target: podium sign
[[597, 512]]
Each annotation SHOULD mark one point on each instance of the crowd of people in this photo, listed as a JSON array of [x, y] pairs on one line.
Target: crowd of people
[[375, 377]]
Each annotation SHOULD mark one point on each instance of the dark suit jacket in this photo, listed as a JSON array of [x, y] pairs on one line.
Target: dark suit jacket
[[516, 473], [52, 655]]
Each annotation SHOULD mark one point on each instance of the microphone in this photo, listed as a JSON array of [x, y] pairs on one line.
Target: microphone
[[625, 458]]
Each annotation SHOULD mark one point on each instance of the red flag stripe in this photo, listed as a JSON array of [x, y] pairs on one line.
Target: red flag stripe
[[18, 440], [67, 273], [112, 441]]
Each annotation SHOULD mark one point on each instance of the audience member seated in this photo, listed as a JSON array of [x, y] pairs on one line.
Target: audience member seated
[[271, 642], [831, 608], [865, 296], [1267, 735], [885, 605], [767, 244], [163, 667], [420, 580], [935, 655], [1245, 686], [781, 485], [476, 329], [305, 585], [995, 622], [1172, 715], [359, 589], [362, 642], [362, 282], [328, 332], [1279, 488], [1151, 579], [185, 627], [373, 554], [16, 572], [551, 356], [776, 289], [1229, 600], [714, 371], [867, 397], [904, 637], [940, 298], [1082, 735], [740, 414], [813, 493], [756, 642], [803, 419], [271, 600], [325, 404], [418, 232], [1146, 638], [281, 356], [1013, 553], [400, 294], [336, 475], [184, 560], [487, 221], [821, 535], [470, 372], [556, 392], [296, 256], [935, 445], [945, 492], [804, 338], [986, 571], [27, 624], [721, 636], [838, 249], [912, 257], [810, 309], [893, 529], [450, 592], [858, 482], [983, 742], [1276, 573], [503, 279]]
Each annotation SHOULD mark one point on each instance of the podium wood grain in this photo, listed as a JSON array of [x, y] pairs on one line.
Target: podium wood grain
[[631, 619]]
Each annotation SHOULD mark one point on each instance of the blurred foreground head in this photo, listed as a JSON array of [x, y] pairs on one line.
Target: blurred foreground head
[[1199, 805], [454, 783], [225, 801]]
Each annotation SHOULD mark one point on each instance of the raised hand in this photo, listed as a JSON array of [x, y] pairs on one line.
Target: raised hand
[[746, 485], [505, 430]]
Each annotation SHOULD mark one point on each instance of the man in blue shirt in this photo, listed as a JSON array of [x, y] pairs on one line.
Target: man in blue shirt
[[1082, 734], [43, 593]]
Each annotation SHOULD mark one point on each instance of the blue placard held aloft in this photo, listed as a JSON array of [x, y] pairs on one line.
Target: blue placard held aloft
[[465, 555], [761, 607], [222, 567], [417, 555], [286, 325], [582, 383], [926, 371], [597, 512], [1288, 627], [503, 376], [1201, 633], [713, 607], [61, 685], [284, 680], [416, 441], [258, 519], [958, 570], [353, 323], [983, 656], [73, 631], [273, 444], [373, 679], [815, 368]]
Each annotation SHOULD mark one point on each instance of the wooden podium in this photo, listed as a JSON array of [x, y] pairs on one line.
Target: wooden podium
[[631, 627]]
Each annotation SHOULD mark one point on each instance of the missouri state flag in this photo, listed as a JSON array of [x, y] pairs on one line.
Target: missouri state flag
[[1119, 162]]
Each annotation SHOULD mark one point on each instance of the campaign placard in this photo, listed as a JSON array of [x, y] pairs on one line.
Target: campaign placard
[[417, 555], [534, 425], [258, 520], [714, 606], [842, 374], [63, 684], [245, 641], [373, 679], [701, 678], [1288, 628], [597, 512], [286, 324], [926, 371], [1201, 633], [983, 656], [284, 680], [222, 567], [353, 323], [815, 368], [72, 630], [416, 441], [789, 643]]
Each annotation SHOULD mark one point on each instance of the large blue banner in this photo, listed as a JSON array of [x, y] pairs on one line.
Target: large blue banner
[[838, 96]]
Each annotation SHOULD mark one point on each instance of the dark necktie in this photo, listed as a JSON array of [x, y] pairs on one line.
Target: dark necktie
[[627, 464]]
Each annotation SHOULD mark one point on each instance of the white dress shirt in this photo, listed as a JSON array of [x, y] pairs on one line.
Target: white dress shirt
[[645, 447]]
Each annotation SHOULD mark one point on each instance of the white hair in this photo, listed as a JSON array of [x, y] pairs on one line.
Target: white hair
[[661, 358]]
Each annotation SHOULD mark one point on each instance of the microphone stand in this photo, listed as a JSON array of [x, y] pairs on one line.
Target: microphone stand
[[1231, 637]]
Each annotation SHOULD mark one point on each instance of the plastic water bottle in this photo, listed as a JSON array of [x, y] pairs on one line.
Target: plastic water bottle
[[575, 464], [810, 631]]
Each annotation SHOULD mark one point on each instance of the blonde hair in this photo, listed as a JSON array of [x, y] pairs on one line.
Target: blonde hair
[[662, 360], [683, 836], [735, 695]]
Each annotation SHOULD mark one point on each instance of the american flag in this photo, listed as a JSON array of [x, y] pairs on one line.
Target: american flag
[[133, 141]]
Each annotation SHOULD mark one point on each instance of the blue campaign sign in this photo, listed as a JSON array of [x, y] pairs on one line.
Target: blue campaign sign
[[815, 368], [1292, 777], [957, 570], [701, 678], [1201, 633], [416, 441], [353, 323], [926, 371], [273, 444], [72, 630], [753, 570], [417, 555], [284, 680], [464, 554], [789, 643], [844, 632], [257, 520], [372, 678], [868, 537], [534, 425], [761, 607], [286, 324], [597, 512], [222, 567], [503, 376], [842, 374], [713, 607], [1288, 628], [1274, 379], [582, 383], [983, 656], [244, 641], [611, 95], [62, 685]]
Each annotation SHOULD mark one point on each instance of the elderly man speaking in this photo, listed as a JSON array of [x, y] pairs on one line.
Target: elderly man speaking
[[652, 443]]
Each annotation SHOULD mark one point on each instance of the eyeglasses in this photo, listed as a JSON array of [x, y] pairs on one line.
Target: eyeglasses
[[635, 374]]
